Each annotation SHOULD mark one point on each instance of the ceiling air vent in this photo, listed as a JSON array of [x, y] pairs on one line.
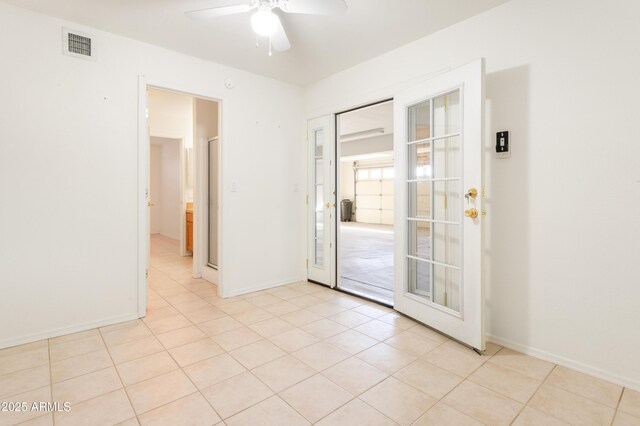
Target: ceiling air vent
[[77, 44]]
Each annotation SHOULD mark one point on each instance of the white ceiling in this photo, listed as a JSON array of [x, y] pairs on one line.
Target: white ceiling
[[321, 45], [364, 119]]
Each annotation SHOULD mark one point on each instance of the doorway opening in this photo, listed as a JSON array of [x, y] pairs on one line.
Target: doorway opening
[[430, 266], [165, 195], [365, 192], [183, 179]]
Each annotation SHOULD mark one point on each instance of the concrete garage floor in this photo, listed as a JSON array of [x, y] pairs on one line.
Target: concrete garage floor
[[366, 256]]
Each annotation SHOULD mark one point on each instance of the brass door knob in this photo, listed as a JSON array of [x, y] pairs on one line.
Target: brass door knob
[[150, 203], [471, 193], [472, 213]]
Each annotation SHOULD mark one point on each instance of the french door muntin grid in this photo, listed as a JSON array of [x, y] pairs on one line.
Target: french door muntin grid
[[318, 197], [413, 222]]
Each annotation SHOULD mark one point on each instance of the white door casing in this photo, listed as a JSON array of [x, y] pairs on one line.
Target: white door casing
[[321, 200], [143, 196], [438, 145]]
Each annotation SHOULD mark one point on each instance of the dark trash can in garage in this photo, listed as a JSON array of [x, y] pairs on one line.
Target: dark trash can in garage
[[345, 210]]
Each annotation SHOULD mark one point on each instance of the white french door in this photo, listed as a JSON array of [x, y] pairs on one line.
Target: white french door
[[321, 200], [438, 231]]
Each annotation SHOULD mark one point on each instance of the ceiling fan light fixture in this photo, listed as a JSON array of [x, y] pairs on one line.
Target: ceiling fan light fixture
[[264, 23]]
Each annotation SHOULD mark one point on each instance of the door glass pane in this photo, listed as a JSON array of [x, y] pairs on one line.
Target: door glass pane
[[318, 141], [436, 199], [446, 244], [319, 238], [420, 161], [420, 200], [375, 174], [388, 173], [446, 114], [446, 287], [419, 277], [419, 239], [319, 197], [419, 121], [319, 171], [446, 158]]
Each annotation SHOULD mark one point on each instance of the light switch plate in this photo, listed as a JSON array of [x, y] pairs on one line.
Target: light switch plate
[[503, 145]]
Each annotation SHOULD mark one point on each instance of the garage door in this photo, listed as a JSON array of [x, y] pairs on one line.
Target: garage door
[[374, 195]]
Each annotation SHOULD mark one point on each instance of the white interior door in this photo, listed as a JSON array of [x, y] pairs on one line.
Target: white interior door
[[438, 150], [321, 200]]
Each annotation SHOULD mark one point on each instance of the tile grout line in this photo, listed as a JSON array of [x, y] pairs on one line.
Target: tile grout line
[[387, 417], [526, 404], [290, 353], [590, 400], [198, 391], [226, 352], [278, 394], [615, 413], [53, 416], [464, 379], [247, 370], [119, 378], [350, 356]]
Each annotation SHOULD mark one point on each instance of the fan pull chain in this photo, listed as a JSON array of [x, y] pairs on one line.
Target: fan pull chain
[[269, 45], [257, 41]]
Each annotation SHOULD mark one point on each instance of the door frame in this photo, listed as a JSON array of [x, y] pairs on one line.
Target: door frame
[[210, 272], [200, 175], [338, 214], [328, 180]]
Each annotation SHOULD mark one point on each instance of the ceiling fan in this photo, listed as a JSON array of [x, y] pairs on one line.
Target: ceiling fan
[[264, 22]]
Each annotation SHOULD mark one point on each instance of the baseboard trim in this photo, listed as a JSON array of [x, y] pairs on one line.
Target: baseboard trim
[[566, 362], [15, 341], [260, 287]]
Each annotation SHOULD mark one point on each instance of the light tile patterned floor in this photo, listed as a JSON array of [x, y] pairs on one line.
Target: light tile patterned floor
[[297, 354]]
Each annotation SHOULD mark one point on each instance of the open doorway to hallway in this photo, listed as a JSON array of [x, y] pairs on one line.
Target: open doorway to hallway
[[365, 190], [183, 195]]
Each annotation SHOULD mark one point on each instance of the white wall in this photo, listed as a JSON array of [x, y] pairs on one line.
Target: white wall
[[171, 204], [69, 227], [155, 188], [562, 232], [171, 116], [164, 190]]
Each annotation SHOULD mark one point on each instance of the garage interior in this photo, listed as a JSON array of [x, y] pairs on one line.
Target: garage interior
[[365, 240]]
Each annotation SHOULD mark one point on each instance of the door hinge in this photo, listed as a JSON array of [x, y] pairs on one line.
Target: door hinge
[[483, 193], [483, 212], [146, 274]]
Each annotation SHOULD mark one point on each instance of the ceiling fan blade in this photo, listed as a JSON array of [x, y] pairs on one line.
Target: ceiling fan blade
[[214, 12], [314, 7], [279, 40]]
